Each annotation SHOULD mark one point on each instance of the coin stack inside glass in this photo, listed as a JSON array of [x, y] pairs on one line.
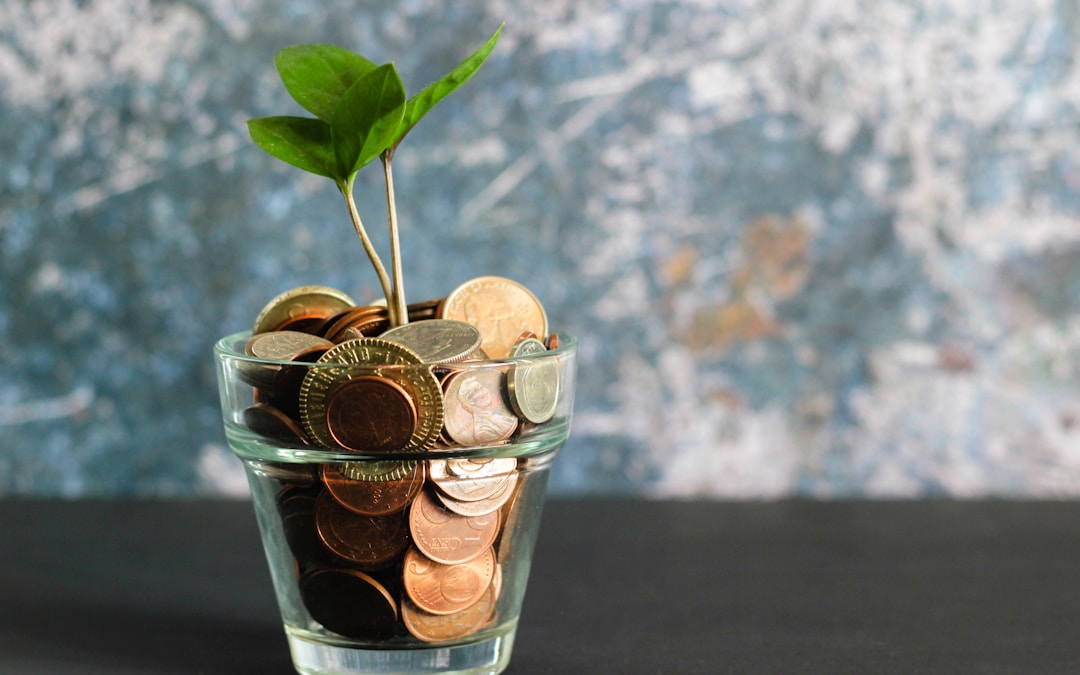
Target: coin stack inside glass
[[408, 547]]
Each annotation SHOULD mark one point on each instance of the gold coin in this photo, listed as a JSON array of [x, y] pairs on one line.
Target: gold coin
[[372, 357], [501, 308], [306, 306]]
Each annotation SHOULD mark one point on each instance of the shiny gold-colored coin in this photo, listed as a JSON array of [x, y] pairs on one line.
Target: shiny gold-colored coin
[[475, 411], [501, 308], [533, 385], [439, 588], [301, 308], [441, 627], [437, 340], [448, 537], [366, 358]]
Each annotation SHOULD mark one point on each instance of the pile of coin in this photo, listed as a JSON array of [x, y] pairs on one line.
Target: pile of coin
[[403, 547]]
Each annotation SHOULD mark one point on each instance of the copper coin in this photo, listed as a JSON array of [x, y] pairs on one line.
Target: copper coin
[[448, 537], [442, 627], [421, 311], [368, 541], [438, 588], [358, 318], [501, 308], [553, 341], [266, 420], [373, 497], [370, 414], [296, 507], [304, 306], [479, 507], [474, 409], [350, 603], [383, 358]]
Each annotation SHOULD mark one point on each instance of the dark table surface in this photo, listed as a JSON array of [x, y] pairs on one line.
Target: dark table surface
[[617, 587]]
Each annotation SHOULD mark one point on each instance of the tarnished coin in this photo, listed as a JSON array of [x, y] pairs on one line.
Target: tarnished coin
[[266, 420], [422, 311], [371, 542], [447, 537], [501, 308], [379, 358], [350, 603], [437, 340], [302, 308], [479, 507], [480, 484], [475, 412], [285, 345], [373, 497], [533, 386], [370, 414], [440, 627], [296, 506], [439, 588]]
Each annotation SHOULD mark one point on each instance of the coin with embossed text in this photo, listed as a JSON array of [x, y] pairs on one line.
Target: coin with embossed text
[[481, 483], [480, 507], [438, 627], [439, 588], [501, 308], [448, 537], [372, 357], [474, 410], [437, 340]]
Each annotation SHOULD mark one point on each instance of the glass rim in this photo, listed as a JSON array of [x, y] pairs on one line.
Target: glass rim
[[225, 349]]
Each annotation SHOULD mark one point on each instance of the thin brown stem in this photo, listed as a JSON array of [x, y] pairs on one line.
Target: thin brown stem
[[373, 256]]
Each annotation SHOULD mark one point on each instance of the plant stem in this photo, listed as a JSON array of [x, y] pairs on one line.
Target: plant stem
[[402, 309], [346, 190]]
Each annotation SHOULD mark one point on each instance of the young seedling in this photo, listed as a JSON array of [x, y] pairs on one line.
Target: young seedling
[[361, 113]]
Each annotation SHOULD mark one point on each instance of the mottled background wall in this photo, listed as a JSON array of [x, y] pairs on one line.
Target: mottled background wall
[[811, 248]]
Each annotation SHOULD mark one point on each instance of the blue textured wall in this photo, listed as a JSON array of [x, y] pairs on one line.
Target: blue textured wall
[[811, 248]]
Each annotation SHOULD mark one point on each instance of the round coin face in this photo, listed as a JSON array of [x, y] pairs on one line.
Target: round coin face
[[437, 340], [438, 588], [374, 497], [350, 603], [381, 359], [501, 308], [304, 305], [371, 542], [441, 627], [474, 410], [285, 345], [370, 414], [448, 537], [533, 386]]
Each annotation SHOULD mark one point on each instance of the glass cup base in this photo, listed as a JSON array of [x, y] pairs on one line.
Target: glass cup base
[[486, 657]]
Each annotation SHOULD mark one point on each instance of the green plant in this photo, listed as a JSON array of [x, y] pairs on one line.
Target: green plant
[[361, 113]]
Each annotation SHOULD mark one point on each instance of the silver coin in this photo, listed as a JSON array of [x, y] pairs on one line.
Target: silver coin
[[437, 340], [534, 385]]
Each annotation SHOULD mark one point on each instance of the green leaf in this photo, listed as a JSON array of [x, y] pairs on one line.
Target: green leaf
[[426, 99], [317, 76], [367, 118], [301, 141]]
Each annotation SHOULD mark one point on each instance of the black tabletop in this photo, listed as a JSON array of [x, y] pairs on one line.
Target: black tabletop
[[617, 587]]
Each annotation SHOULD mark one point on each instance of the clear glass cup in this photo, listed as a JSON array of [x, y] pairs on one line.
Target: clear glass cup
[[403, 561]]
